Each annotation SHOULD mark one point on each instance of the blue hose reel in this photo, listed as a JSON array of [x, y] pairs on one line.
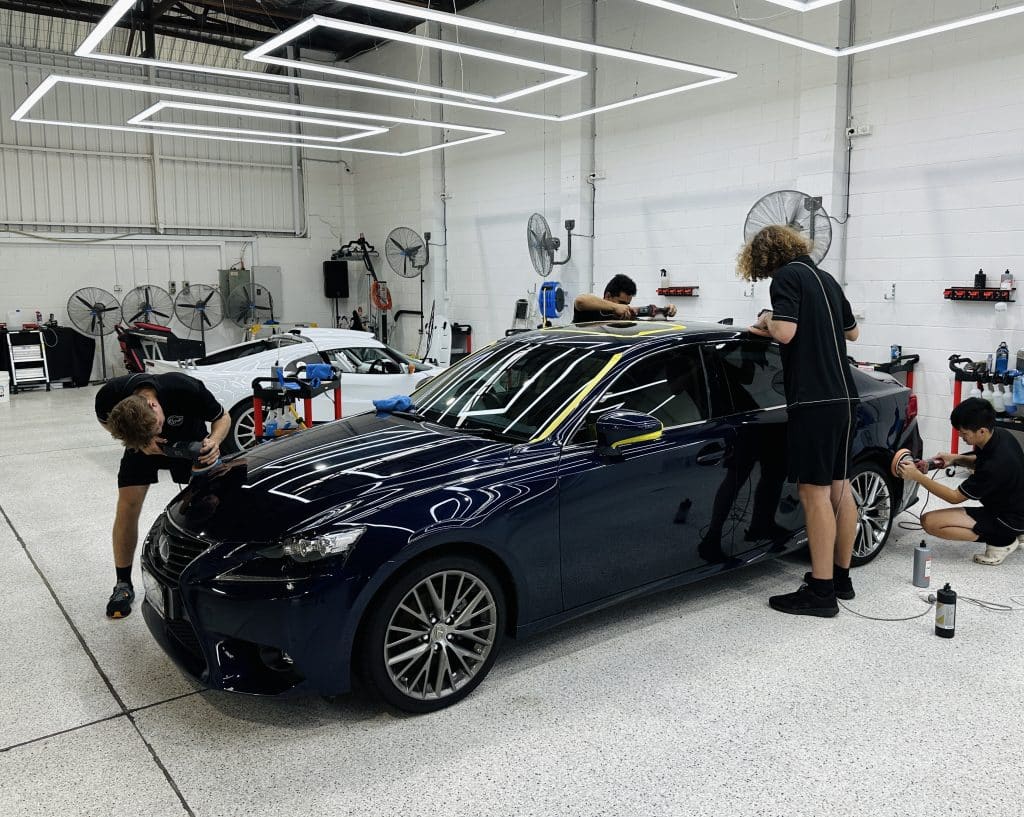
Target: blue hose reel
[[551, 299]]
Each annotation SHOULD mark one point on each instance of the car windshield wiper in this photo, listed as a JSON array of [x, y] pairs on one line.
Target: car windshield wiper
[[485, 431], [408, 414]]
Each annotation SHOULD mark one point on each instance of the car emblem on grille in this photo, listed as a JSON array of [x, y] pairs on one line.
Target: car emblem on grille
[[164, 547]]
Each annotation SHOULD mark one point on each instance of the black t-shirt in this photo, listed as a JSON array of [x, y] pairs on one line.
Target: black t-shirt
[[187, 403], [998, 479], [814, 363]]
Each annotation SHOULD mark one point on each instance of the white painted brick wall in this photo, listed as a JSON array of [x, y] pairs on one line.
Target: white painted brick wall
[[936, 190]]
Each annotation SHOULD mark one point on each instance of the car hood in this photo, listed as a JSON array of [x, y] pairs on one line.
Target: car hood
[[346, 470]]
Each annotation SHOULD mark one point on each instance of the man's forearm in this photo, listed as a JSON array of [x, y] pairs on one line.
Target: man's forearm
[[220, 427], [943, 492]]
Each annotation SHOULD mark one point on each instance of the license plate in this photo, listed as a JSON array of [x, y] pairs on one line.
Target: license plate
[[155, 593]]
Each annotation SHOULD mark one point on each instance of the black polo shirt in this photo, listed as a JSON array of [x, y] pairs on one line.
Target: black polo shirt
[[187, 403], [814, 363], [998, 479]]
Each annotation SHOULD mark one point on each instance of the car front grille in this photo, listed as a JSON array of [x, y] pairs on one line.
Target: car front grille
[[183, 550]]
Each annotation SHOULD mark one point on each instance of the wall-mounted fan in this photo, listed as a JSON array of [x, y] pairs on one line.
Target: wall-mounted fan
[[250, 305], [794, 209], [543, 245], [408, 255], [89, 309], [199, 307], [147, 303]]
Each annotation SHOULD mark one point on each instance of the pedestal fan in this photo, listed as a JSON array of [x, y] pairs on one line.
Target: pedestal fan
[[199, 307], [89, 309]]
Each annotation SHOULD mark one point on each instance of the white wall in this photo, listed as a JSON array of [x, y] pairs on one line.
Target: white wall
[[936, 188], [62, 186]]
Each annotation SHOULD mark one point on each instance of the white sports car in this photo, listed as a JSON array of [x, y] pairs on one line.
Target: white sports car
[[370, 371]]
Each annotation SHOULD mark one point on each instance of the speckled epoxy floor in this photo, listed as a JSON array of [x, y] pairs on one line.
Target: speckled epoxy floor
[[699, 701]]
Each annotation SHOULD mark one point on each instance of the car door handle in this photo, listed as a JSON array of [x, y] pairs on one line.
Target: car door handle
[[711, 454]]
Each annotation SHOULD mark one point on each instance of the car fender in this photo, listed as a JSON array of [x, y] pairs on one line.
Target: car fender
[[412, 554]]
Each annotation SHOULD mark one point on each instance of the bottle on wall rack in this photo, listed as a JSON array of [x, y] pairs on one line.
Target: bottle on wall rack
[[975, 391], [1006, 280], [979, 279], [998, 400], [1002, 358]]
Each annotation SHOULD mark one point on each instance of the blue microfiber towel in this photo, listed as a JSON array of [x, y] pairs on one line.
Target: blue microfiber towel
[[286, 386], [315, 372], [397, 403]]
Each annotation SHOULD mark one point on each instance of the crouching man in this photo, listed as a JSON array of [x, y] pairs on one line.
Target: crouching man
[[997, 482]]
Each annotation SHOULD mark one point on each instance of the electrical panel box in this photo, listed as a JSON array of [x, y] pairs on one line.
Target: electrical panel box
[[270, 277]]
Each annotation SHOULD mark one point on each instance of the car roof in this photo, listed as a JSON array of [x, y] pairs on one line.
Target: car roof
[[621, 336], [326, 335]]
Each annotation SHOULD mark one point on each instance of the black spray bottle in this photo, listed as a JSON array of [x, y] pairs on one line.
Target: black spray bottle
[[945, 612]]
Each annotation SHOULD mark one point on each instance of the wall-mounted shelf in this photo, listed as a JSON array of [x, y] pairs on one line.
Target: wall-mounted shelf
[[992, 295], [679, 292]]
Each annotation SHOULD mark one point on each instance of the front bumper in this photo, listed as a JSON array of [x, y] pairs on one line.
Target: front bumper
[[258, 638]]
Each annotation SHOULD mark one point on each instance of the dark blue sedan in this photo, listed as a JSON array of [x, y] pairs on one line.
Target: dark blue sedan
[[543, 477]]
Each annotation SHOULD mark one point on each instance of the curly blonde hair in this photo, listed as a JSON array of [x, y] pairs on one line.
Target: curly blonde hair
[[132, 422], [773, 247]]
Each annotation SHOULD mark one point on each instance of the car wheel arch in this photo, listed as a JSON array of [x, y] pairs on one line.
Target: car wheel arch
[[378, 588], [880, 460]]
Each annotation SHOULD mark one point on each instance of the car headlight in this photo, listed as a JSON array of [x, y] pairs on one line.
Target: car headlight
[[314, 548]]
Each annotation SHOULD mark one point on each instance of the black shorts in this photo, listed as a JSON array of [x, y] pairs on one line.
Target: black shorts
[[819, 442], [989, 529], [142, 469]]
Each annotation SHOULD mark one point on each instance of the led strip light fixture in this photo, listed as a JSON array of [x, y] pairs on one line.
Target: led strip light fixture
[[829, 51], [261, 54], [142, 122], [710, 75], [804, 5]]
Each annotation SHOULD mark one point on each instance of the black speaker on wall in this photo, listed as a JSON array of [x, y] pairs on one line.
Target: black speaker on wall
[[335, 279]]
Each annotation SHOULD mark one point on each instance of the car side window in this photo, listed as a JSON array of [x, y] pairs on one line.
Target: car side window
[[667, 385], [368, 360], [751, 375], [293, 367]]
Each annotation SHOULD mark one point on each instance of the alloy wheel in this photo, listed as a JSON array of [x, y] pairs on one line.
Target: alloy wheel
[[244, 430], [440, 635], [874, 501]]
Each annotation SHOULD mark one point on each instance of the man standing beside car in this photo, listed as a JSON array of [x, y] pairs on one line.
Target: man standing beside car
[[812, 320], [145, 412]]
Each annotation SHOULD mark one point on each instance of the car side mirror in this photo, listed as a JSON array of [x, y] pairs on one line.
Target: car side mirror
[[618, 429]]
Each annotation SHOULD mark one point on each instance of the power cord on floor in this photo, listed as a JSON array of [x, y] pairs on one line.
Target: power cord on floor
[[916, 526], [930, 599]]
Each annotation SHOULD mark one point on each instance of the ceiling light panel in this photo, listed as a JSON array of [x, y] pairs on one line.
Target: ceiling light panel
[[146, 118], [831, 51], [367, 125], [263, 54], [706, 76], [804, 5]]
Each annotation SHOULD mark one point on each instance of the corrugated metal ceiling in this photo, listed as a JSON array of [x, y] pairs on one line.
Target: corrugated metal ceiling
[[196, 31]]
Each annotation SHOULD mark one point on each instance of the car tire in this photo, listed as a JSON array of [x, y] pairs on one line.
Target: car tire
[[242, 431], [876, 500], [433, 635]]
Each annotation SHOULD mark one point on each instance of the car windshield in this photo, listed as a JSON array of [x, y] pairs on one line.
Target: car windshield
[[512, 390], [248, 349]]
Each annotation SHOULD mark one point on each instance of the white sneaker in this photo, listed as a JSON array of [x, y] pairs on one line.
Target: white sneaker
[[994, 555]]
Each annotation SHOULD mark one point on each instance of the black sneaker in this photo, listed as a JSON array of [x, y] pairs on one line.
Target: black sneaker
[[120, 604], [844, 587], [805, 602]]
